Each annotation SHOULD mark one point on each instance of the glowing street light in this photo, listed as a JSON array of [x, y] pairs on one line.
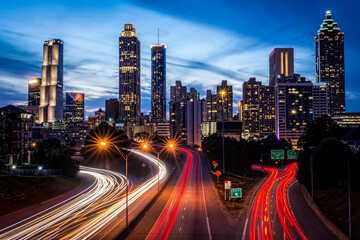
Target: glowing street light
[[103, 143], [223, 93], [169, 146]]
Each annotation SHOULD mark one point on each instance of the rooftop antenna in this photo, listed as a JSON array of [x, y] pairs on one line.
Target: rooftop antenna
[[158, 36]]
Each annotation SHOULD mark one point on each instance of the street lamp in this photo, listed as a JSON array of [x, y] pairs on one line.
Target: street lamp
[[223, 93], [169, 146], [125, 156]]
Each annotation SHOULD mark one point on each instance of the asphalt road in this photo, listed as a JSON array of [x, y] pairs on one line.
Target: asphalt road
[[279, 211]]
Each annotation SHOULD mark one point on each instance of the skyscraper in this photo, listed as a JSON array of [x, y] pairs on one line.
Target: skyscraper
[[34, 91], [158, 82], [129, 76], [329, 63], [225, 102], [281, 61], [251, 106], [211, 106], [294, 108], [74, 106], [266, 110], [51, 90], [111, 109], [177, 92]]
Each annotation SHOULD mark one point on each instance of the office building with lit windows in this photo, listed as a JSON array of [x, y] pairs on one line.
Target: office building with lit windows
[[294, 107], [74, 106], [211, 106], [266, 110], [129, 76], [224, 102], [320, 101], [111, 110], [281, 61], [348, 120], [158, 82], [250, 111], [51, 89], [329, 63]]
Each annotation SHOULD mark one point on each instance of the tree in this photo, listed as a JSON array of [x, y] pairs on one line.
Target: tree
[[323, 127]]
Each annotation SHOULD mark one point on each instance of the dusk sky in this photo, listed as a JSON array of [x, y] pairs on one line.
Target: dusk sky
[[207, 42]]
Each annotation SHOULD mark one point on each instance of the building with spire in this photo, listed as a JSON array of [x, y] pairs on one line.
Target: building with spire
[[129, 76], [158, 82], [329, 63]]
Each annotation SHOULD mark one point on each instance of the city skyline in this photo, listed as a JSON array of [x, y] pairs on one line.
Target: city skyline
[[201, 64]]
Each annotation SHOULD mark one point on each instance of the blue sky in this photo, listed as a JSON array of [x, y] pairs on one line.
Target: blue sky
[[207, 42]]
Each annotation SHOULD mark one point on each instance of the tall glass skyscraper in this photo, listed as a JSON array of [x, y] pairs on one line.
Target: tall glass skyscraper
[[51, 90], [34, 91], [129, 76], [158, 82], [329, 63]]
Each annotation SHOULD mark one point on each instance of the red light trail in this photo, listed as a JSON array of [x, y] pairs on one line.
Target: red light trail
[[260, 225]]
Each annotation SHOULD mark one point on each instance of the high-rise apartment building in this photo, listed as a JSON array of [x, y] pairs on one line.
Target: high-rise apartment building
[[211, 106], [251, 106], [51, 90], [177, 92], [329, 63], [266, 111], [320, 101], [158, 82], [225, 101], [129, 76], [281, 61], [294, 107], [34, 91], [74, 106]]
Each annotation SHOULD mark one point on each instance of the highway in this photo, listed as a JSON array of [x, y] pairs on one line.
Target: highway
[[92, 213]]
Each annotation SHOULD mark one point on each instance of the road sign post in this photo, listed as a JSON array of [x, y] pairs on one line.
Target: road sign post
[[217, 173], [236, 193], [277, 154], [227, 186]]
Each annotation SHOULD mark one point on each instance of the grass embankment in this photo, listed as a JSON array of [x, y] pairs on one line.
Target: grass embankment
[[236, 207], [17, 192], [334, 204]]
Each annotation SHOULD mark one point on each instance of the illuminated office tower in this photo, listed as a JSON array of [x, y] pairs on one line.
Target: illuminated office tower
[[251, 106], [266, 110], [34, 91], [329, 63], [74, 106], [129, 76], [211, 106], [281, 61], [158, 82], [225, 102], [51, 90], [294, 107]]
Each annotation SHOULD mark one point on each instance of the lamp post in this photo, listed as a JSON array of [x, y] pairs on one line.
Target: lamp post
[[145, 146], [222, 123], [103, 144]]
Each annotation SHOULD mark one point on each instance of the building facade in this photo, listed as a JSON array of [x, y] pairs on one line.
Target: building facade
[[329, 63], [15, 134], [51, 90], [158, 82], [34, 92], [211, 106], [267, 105], [251, 107], [281, 61], [294, 107], [74, 106], [129, 76], [111, 109], [225, 101], [348, 120], [320, 101]]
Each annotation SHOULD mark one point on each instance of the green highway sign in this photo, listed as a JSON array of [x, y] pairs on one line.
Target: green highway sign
[[236, 193], [292, 154], [277, 154]]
